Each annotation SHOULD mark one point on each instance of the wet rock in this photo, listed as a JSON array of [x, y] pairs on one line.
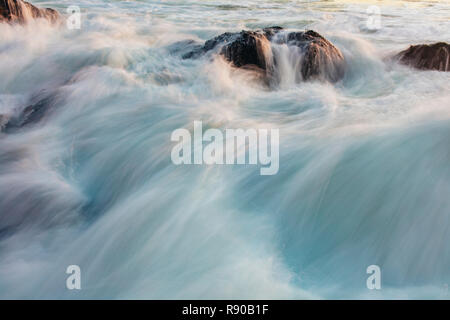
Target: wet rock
[[319, 58], [18, 11], [427, 57], [41, 105], [184, 47], [3, 121], [241, 48]]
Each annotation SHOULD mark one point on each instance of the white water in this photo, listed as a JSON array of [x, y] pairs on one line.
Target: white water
[[364, 164]]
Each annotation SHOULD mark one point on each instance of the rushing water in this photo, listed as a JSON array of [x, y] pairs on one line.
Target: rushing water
[[364, 175]]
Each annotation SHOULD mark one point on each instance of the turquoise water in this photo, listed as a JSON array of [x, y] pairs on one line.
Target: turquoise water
[[364, 175]]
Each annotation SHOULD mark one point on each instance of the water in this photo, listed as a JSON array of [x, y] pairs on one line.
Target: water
[[364, 174]]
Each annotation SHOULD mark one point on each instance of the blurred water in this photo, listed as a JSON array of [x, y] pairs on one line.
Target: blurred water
[[364, 172]]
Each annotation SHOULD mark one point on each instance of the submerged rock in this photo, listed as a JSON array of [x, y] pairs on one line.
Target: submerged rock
[[40, 105], [183, 47], [21, 11], [3, 121], [427, 57], [319, 58]]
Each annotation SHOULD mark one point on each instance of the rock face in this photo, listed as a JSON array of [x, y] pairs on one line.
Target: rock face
[[319, 58], [18, 11], [427, 57]]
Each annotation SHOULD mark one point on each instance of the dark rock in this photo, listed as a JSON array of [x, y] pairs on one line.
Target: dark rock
[[3, 121], [249, 48], [241, 48], [184, 47], [19, 11], [427, 57], [320, 59], [35, 112], [40, 106], [209, 45], [271, 31]]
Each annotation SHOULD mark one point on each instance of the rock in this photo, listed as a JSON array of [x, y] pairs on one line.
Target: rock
[[427, 57], [249, 48], [3, 121], [40, 106], [184, 48], [241, 48], [18, 11], [319, 57]]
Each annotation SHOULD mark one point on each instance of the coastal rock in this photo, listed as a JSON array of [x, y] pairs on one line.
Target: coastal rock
[[248, 48], [427, 57], [319, 58], [3, 121], [40, 105], [184, 47], [242, 48], [18, 11]]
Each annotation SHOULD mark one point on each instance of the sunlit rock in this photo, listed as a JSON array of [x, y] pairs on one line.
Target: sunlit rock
[[18, 11], [318, 58], [427, 57]]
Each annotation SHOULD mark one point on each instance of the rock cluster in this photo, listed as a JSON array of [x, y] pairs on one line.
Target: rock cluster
[[319, 57]]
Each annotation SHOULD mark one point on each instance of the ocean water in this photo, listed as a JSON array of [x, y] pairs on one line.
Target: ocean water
[[364, 176]]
